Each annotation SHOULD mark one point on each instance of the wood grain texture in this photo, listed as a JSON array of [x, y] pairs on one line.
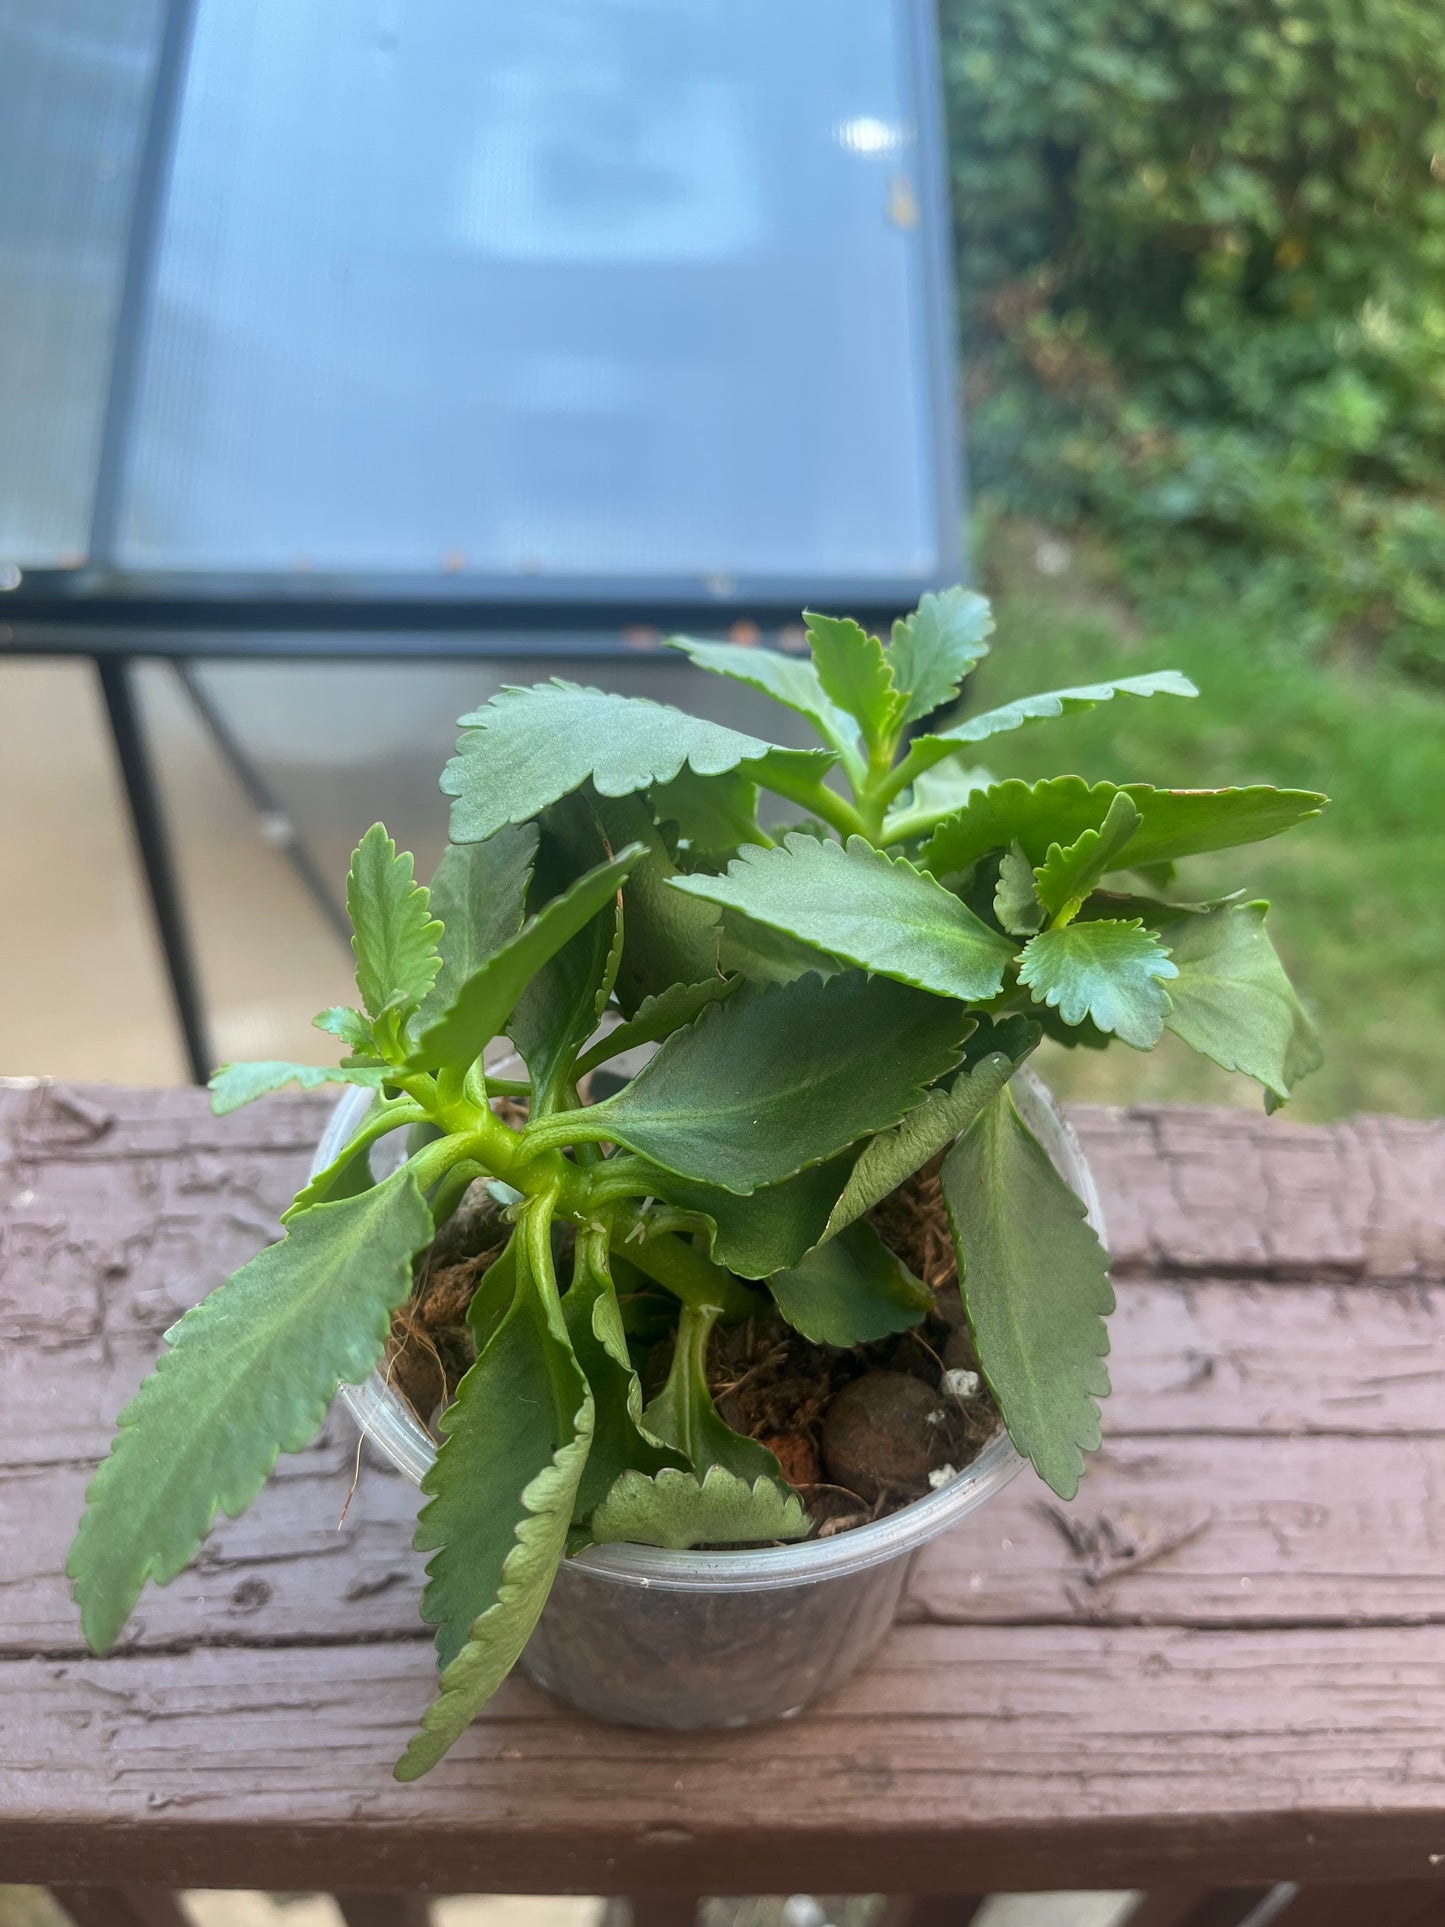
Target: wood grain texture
[[1224, 1664], [1028, 1757]]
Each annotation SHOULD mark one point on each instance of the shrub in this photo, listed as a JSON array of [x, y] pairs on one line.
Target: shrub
[[1201, 259]]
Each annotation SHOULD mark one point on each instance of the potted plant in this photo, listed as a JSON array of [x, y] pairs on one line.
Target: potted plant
[[834, 1125]]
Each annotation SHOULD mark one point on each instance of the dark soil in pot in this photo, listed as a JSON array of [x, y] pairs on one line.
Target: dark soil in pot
[[859, 1433]]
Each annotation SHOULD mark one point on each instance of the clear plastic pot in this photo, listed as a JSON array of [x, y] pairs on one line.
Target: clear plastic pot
[[689, 1640]]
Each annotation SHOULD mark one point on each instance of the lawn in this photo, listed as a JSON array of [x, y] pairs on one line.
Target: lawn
[[1358, 895]]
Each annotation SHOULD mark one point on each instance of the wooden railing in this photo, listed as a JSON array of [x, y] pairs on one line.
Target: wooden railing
[[1218, 1678]]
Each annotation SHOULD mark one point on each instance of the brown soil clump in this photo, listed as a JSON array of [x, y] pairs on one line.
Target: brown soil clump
[[913, 1221], [774, 1385], [431, 1344], [882, 1434], [858, 1433]]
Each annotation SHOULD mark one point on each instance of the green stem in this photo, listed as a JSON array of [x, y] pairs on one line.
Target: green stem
[[419, 1087], [589, 1156], [687, 1377], [394, 1116], [537, 1237], [913, 823], [432, 1163], [561, 1128], [623, 1175], [451, 1087], [813, 794], [686, 1273], [536, 1230], [453, 1188], [871, 813], [913, 765]]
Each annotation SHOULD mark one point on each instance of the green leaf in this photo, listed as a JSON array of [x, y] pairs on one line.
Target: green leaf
[[559, 1008], [496, 1292], [671, 939], [1015, 901], [1111, 973], [529, 747], [677, 1509], [892, 1157], [349, 1173], [712, 812], [1066, 877], [764, 956], [683, 1414], [479, 892], [875, 911], [395, 936], [248, 1375], [773, 1227], [1232, 1001], [777, 1079], [482, 1006], [1175, 823], [935, 648], [236, 1084], [790, 680], [850, 1290], [505, 1426], [855, 674], [1151, 910], [935, 794], [927, 750], [656, 1018], [502, 1493], [1035, 1287], [594, 1322], [345, 1177], [349, 1025]]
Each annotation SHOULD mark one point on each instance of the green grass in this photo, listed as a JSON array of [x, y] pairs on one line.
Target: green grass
[[1358, 895]]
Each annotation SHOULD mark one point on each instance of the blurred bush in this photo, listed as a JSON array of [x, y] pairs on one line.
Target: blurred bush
[[1201, 262]]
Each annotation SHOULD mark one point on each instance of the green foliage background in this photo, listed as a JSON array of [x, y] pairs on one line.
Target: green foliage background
[[1201, 262]]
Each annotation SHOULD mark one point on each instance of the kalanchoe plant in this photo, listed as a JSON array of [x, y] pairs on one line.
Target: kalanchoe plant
[[834, 1005]]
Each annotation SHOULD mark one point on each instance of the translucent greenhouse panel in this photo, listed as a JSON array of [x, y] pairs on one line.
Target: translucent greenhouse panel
[[75, 82], [585, 288]]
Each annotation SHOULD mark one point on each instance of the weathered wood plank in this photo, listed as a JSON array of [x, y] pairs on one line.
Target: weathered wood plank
[[1188, 1357], [1237, 1356], [1183, 1189], [1170, 1531], [1200, 1190], [1213, 1531], [1205, 1524], [1023, 1757], [1093, 1703]]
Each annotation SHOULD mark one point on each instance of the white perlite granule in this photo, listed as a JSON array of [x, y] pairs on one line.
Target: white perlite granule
[[961, 1384]]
